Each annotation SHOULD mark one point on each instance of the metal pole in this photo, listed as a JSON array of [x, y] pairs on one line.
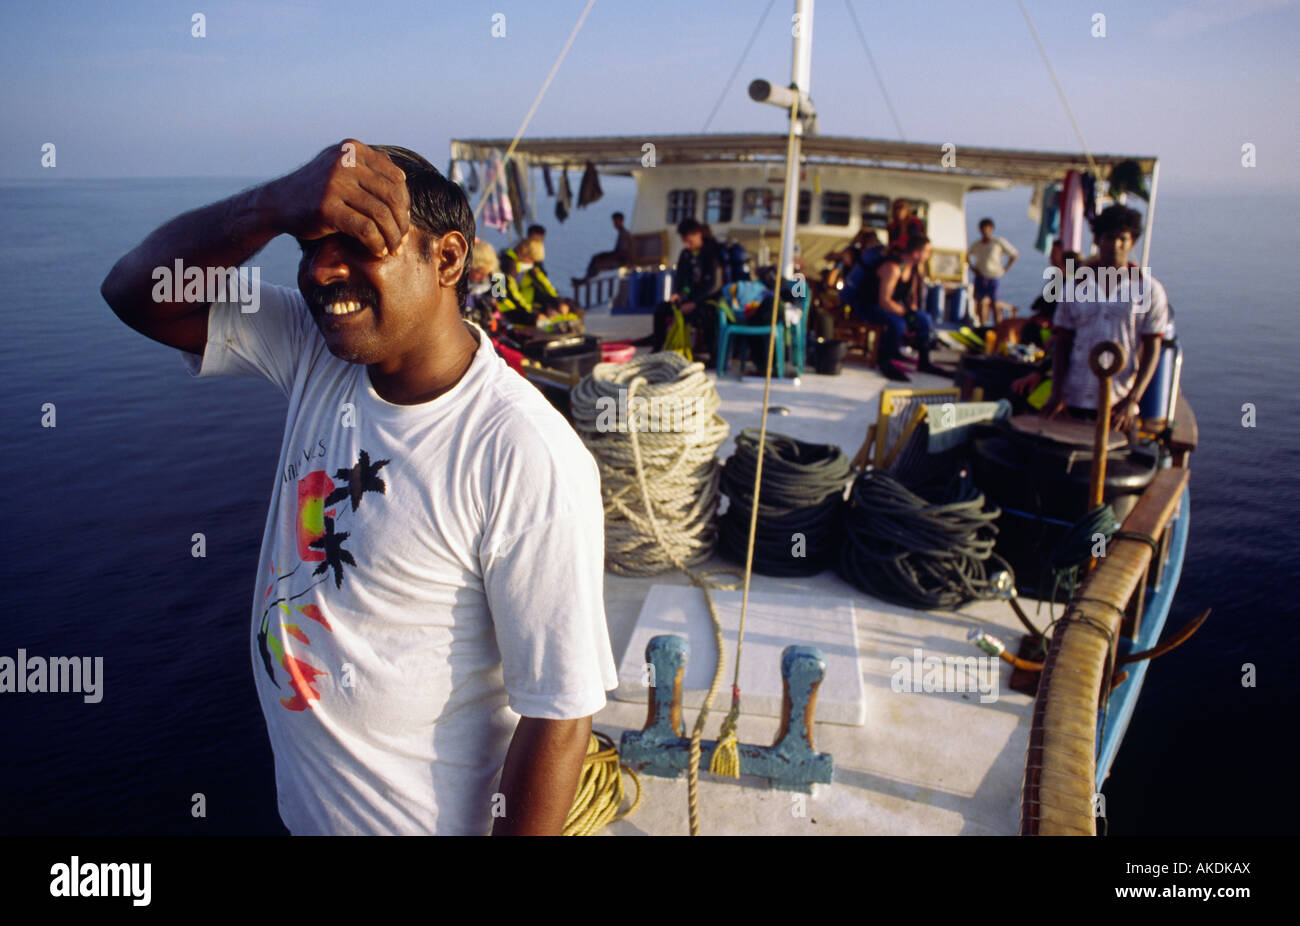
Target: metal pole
[[1151, 216], [801, 77]]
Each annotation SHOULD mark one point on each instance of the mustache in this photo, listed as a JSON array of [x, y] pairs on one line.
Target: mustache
[[342, 292]]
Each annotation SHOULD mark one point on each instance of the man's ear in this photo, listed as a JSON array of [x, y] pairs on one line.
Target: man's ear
[[452, 253]]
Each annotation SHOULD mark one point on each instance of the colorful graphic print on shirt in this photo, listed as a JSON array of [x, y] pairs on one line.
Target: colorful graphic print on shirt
[[320, 540]]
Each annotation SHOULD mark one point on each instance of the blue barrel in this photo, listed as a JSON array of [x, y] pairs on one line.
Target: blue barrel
[[1155, 401], [934, 301], [956, 304], [663, 287]]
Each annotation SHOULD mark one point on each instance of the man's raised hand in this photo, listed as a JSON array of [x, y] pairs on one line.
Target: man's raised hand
[[349, 188]]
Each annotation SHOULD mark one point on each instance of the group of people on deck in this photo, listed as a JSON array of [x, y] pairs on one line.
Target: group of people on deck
[[885, 285], [512, 286]]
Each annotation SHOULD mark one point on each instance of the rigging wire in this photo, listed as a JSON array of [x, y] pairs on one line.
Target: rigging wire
[[743, 55], [1092, 165], [537, 100], [862, 37]]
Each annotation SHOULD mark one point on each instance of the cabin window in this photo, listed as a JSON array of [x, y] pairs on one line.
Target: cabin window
[[761, 205], [920, 209], [718, 205], [758, 204], [681, 205], [836, 208], [875, 211]]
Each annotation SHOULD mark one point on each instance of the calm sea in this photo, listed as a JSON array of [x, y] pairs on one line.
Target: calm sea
[[101, 510]]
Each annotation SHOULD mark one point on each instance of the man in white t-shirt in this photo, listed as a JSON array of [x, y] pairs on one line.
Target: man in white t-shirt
[[429, 610], [1114, 300], [985, 258]]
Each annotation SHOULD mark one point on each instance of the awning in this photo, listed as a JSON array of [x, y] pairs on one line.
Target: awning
[[622, 154]]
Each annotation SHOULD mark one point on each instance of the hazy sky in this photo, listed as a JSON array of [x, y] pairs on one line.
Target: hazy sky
[[126, 90]]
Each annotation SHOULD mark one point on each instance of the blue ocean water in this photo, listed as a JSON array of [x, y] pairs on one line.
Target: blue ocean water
[[101, 510]]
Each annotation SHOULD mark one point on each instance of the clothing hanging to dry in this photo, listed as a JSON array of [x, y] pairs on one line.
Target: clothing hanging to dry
[[589, 190], [563, 198], [496, 204]]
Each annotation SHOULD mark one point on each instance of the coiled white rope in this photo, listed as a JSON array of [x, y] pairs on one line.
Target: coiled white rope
[[663, 409], [620, 411]]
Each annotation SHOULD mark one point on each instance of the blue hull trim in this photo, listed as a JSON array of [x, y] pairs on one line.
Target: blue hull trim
[[1119, 710]]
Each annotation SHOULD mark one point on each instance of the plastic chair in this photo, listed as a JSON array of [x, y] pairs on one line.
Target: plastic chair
[[735, 296]]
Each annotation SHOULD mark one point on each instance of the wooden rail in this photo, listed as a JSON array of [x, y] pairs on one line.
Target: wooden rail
[[1185, 434], [1061, 766]]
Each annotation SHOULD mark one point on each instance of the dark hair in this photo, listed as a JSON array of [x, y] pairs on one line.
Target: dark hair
[[438, 206], [536, 230], [1115, 219], [689, 226], [617, 215], [988, 222], [915, 243]]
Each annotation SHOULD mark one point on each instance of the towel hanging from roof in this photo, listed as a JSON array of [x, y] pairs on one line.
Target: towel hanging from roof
[[1050, 220], [589, 190], [1072, 211], [458, 175], [473, 178], [1089, 197], [515, 190], [546, 176], [562, 199], [496, 204], [1035, 211]]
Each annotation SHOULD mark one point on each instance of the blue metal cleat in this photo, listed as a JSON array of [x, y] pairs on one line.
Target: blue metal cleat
[[790, 764]]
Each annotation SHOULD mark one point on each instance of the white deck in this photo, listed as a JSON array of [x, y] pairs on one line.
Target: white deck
[[924, 763]]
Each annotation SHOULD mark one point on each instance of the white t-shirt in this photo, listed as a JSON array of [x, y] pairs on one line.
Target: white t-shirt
[[1104, 311], [428, 574], [988, 256]]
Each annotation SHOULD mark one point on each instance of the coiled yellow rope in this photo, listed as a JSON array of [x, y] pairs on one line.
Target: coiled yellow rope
[[600, 789]]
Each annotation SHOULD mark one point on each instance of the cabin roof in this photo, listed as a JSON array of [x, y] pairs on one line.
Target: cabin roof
[[621, 154]]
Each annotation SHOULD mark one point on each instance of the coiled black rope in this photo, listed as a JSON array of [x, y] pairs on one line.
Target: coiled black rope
[[1074, 551], [800, 504], [902, 548]]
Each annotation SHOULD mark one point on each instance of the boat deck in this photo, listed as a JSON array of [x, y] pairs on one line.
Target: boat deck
[[924, 763]]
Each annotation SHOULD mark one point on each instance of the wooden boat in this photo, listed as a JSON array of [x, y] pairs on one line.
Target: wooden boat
[[1032, 764]]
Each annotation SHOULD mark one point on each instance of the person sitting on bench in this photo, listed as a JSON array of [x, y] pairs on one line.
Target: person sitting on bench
[[894, 302], [620, 256]]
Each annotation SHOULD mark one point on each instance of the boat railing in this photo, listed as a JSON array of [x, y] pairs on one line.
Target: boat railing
[[599, 290], [1058, 795]]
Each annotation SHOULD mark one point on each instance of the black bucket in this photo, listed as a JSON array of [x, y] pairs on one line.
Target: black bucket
[[830, 357], [569, 353]]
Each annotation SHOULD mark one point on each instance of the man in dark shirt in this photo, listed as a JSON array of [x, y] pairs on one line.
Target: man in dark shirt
[[622, 253], [696, 284]]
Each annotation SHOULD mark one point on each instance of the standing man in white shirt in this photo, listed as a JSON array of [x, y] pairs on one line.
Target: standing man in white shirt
[[985, 258], [429, 611], [1114, 300]]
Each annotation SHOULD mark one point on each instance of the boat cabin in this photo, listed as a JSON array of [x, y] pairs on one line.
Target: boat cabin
[[734, 183]]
